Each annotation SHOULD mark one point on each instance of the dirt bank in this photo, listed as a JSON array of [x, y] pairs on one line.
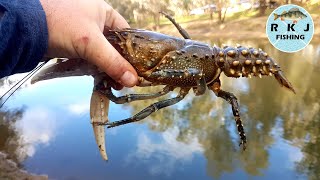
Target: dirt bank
[[253, 27]]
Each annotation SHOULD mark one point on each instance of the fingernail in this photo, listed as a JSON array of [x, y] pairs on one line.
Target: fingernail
[[128, 79]]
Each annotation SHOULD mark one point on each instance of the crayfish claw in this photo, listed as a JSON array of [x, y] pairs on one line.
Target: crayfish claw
[[99, 106]]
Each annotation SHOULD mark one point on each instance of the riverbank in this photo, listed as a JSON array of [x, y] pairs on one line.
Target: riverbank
[[236, 29], [240, 26]]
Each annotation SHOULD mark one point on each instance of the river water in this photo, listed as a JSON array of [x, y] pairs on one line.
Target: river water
[[45, 128]]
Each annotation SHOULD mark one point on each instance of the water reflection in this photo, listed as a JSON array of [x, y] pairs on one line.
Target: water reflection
[[17, 139], [196, 138], [166, 154], [9, 135], [42, 130]]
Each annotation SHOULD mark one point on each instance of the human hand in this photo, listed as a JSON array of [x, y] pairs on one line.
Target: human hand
[[76, 31]]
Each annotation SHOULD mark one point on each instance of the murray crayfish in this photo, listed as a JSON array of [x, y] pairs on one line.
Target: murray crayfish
[[161, 59]]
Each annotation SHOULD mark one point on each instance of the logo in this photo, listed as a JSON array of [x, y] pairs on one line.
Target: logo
[[290, 28]]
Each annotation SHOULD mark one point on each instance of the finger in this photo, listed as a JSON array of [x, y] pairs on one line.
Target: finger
[[99, 51], [114, 19]]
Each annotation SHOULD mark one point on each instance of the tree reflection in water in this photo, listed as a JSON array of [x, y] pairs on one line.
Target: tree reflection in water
[[10, 138]]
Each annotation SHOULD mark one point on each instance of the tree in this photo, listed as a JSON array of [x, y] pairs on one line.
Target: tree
[[152, 8], [124, 7], [222, 7], [262, 7]]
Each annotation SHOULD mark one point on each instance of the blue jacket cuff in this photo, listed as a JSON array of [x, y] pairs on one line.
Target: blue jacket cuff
[[23, 35]]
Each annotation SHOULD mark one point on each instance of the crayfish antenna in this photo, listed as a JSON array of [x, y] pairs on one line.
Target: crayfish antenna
[[283, 81], [62, 67]]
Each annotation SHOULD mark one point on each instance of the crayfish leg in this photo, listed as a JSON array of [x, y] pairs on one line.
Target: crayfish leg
[[232, 99], [150, 109], [99, 107]]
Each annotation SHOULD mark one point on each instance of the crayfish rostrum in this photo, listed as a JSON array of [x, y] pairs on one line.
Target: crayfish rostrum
[[161, 59]]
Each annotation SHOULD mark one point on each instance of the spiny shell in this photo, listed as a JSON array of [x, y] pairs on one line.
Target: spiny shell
[[244, 52], [235, 63], [232, 71], [267, 61], [247, 62], [254, 69], [265, 54], [231, 53]]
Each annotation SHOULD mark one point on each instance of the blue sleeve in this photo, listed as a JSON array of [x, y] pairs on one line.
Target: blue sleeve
[[23, 35]]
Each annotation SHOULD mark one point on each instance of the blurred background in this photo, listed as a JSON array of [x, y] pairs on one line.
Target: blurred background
[[45, 130], [251, 14]]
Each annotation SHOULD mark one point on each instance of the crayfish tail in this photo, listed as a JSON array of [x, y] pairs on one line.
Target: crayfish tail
[[241, 61], [283, 81], [249, 62]]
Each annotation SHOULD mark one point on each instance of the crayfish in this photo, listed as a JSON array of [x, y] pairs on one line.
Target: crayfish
[[161, 59]]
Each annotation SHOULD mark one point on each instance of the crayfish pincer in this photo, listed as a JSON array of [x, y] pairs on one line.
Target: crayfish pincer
[[160, 59]]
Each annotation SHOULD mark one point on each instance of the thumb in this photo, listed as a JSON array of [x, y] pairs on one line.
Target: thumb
[[100, 52]]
